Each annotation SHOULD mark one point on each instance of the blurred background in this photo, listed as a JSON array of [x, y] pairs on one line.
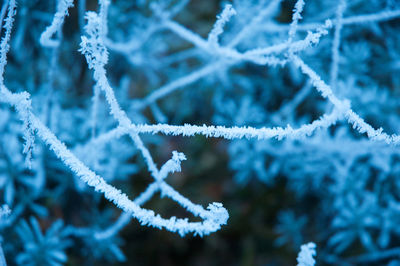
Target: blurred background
[[335, 188]]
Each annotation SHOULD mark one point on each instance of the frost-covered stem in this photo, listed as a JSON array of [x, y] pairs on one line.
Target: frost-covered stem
[[4, 45], [171, 166], [104, 138], [218, 131], [177, 7], [179, 83], [56, 24], [121, 222], [145, 153], [353, 118], [312, 38], [249, 28], [218, 27], [3, 13], [24, 106], [104, 4], [70, 159], [255, 56], [125, 217], [336, 44], [157, 113], [198, 74], [367, 18], [186, 34], [197, 210], [375, 134], [222, 52], [251, 55], [96, 55], [298, 8], [122, 118], [289, 107], [306, 254], [353, 20], [239, 132], [215, 217], [199, 42], [147, 194], [134, 43], [318, 83]]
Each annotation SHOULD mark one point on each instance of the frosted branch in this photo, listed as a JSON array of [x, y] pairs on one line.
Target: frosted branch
[[218, 28], [56, 24], [298, 8]]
